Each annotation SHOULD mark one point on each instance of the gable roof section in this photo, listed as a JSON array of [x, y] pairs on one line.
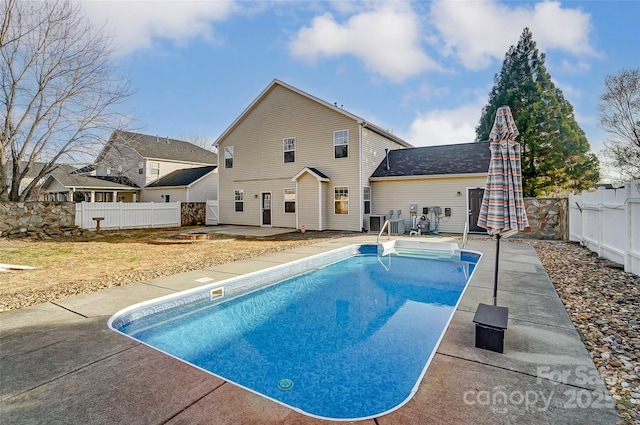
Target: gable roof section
[[467, 158], [86, 182], [37, 167], [319, 175], [163, 148], [185, 177], [334, 107]]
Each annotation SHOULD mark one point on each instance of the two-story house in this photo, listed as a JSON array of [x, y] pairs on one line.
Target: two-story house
[[144, 159], [293, 160], [130, 162]]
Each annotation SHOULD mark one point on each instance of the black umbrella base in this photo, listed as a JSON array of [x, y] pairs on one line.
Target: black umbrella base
[[491, 321]]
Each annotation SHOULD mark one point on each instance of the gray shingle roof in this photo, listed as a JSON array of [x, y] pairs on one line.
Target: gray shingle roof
[[164, 148], [182, 177], [467, 158], [87, 182]]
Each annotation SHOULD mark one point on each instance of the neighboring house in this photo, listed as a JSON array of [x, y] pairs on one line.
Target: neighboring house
[[188, 185], [61, 186], [451, 177], [128, 163], [33, 172], [144, 159], [293, 160]]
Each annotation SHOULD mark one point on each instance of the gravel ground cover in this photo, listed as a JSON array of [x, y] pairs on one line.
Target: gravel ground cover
[[602, 300], [604, 305]]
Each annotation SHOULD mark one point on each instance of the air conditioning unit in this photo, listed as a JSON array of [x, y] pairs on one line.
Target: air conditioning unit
[[376, 221], [396, 227]]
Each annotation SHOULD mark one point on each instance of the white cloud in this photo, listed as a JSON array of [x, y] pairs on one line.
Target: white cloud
[[386, 37], [138, 24], [478, 32], [425, 92], [445, 126]]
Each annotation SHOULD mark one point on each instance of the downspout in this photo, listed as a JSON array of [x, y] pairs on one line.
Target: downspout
[[297, 209], [360, 209], [320, 205]]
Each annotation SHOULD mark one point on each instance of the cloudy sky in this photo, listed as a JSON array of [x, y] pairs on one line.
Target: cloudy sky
[[421, 69]]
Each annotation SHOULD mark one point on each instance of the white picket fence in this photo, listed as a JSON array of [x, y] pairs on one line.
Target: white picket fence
[[128, 215], [608, 222]]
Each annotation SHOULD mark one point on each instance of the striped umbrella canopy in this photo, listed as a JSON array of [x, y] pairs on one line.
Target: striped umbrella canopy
[[502, 212]]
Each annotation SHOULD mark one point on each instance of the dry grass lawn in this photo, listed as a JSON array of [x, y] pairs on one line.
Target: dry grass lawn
[[66, 268]]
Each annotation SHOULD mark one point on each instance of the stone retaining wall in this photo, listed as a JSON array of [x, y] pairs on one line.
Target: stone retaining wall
[[548, 218], [194, 213], [42, 220]]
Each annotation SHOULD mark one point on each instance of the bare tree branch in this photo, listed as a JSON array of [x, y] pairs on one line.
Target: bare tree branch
[[620, 117], [59, 90]]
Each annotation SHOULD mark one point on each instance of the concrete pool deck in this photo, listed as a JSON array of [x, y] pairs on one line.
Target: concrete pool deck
[[60, 364]]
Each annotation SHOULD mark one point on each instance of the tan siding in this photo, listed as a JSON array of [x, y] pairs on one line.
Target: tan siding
[[373, 153], [308, 202], [258, 155], [373, 146], [442, 192]]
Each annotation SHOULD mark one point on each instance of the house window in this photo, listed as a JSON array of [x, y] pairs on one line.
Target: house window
[[155, 168], [289, 149], [341, 143], [366, 197], [140, 167], [103, 197], [239, 200], [228, 157], [289, 200], [341, 200]]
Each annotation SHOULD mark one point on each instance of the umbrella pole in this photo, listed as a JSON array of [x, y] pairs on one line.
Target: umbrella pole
[[495, 275]]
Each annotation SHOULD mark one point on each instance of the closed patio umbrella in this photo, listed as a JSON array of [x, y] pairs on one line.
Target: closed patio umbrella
[[502, 212]]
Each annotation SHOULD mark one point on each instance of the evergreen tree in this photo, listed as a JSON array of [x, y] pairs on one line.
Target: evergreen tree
[[554, 149]]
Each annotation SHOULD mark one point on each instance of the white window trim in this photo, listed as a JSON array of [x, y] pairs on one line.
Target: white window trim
[[335, 200], [232, 156], [286, 201], [365, 200], [154, 168], [285, 150], [341, 144], [235, 200]]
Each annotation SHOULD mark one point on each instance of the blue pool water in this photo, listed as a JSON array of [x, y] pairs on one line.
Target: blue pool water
[[349, 340]]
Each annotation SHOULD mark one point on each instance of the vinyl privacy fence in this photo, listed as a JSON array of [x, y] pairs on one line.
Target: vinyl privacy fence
[[126, 215], [608, 222]]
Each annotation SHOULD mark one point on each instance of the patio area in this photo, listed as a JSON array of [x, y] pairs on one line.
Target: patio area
[[59, 363]]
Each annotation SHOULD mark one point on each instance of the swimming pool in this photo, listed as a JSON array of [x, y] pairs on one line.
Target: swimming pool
[[344, 335]]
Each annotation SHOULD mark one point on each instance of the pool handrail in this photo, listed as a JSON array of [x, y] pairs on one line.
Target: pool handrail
[[384, 226]]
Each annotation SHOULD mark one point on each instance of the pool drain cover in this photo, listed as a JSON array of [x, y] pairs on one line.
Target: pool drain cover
[[285, 384]]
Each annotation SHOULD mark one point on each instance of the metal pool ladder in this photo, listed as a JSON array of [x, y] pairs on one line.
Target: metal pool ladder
[[386, 225]]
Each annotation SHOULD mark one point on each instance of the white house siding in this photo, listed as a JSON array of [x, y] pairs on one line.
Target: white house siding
[[156, 195], [200, 191], [373, 153], [259, 165], [204, 189], [427, 192], [55, 186]]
